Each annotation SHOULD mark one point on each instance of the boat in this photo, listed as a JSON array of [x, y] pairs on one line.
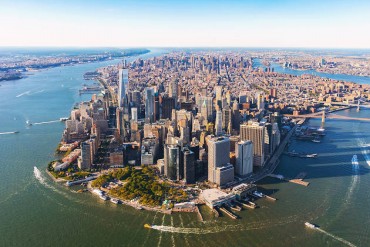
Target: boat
[[354, 160], [310, 156], [104, 198], [147, 226], [316, 140], [115, 200], [16, 132], [28, 123], [310, 225], [63, 119], [258, 194]]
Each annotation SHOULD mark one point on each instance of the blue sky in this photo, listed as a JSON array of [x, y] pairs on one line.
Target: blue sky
[[148, 23]]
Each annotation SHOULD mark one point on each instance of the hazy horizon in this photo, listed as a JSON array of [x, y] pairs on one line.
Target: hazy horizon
[[258, 24]]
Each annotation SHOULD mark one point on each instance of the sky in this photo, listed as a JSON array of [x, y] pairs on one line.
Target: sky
[[191, 23]]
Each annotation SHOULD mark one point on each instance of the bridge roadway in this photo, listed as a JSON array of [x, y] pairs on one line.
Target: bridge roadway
[[329, 116]]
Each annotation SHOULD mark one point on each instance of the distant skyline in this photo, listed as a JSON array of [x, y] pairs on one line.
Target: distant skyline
[[217, 23]]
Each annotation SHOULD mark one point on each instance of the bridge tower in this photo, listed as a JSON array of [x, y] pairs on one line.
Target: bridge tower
[[323, 119], [358, 105]]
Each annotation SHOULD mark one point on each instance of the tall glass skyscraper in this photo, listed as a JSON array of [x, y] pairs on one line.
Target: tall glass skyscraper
[[122, 87]]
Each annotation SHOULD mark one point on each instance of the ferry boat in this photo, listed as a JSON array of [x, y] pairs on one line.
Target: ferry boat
[[310, 225], [354, 160]]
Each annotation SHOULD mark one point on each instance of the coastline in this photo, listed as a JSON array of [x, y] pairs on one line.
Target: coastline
[[23, 73]]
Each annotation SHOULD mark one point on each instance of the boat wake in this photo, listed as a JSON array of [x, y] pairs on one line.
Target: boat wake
[[355, 177], [365, 152], [216, 229], [48, 122], [8, 133], [40, 178], [25, 93], [42, 181], [36, 92], [336, 238]]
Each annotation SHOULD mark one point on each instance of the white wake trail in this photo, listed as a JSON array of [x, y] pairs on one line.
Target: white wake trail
[[336, 237], [20, 95], [47, 122]]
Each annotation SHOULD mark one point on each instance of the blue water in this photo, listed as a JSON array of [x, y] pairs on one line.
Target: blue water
[[39, 212]]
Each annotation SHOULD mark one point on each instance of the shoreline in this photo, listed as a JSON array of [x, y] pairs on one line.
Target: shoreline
[[32, 69]]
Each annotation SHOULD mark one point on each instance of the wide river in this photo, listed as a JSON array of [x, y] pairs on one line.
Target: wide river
[[38, 212]]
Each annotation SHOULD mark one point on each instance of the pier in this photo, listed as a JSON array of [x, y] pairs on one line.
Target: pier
[[199, 214], [299, 179], [229, 213], [271, 198]]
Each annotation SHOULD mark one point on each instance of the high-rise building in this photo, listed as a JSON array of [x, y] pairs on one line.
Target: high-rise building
[[122, 87], [168, 104], [244, 157], [256, 133], [218, 160], [149, 104], [171, 161], [260, 101], [86, 155], [218, 124], [173, 89], [188, 165], [226, 119], [218, 90], [134, 115]]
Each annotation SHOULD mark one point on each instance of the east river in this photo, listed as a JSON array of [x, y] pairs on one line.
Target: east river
[[38, 212]]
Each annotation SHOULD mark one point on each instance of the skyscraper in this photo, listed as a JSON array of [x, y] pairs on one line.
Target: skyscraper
[[226, 119], [188, 158], [218, 123], [220, 171], [256, 133], [171, 161], [134, 115], [168, 104], [122, 87], [244, 158], [86, 155], [149, 104]]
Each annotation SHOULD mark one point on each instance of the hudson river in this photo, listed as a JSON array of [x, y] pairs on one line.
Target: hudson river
[[39, 212]]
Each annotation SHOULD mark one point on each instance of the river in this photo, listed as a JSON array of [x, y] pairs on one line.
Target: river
[[341, 77], [35, 211]]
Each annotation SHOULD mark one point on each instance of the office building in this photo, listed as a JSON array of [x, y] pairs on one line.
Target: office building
[[122, 87], [218, 160], [256, 133], [244, 158], [149, 104]]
